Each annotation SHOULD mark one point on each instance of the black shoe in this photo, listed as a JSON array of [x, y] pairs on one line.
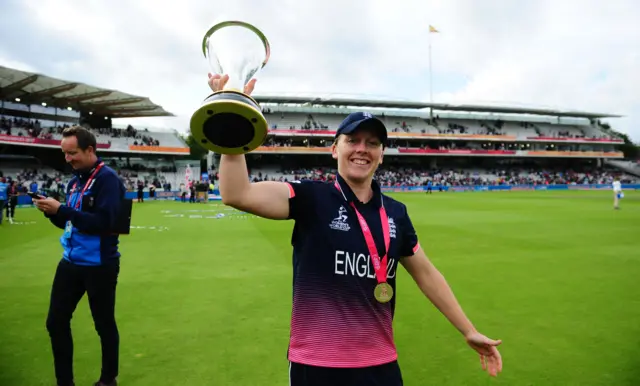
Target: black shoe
[[112, 383]]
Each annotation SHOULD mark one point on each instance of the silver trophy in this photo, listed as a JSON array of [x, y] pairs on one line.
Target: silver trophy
[[230, 121]]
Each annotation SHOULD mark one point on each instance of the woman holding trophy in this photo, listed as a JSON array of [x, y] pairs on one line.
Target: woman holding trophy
[[348, 241]]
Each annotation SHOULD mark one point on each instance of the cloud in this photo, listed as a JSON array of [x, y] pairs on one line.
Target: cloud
[[570, 54], [10, 63]]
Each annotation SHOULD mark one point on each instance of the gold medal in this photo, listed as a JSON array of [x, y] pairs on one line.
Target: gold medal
[[383, 292]]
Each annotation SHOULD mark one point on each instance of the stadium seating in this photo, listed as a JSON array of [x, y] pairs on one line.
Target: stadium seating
[[451, 177], [168, 175], [520, 130], [119, 139]]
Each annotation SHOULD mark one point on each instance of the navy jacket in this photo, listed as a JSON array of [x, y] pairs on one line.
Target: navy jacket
[[91, 241]]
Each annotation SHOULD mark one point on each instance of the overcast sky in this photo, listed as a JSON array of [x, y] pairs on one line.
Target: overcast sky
[[553, 53]]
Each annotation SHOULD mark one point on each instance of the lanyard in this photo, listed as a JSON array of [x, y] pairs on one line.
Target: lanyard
[[91, 177], [379, 265]]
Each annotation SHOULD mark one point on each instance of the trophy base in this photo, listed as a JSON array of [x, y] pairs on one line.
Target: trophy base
[[229, 122]]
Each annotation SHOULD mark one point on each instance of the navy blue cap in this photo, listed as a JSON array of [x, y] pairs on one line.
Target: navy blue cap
[[354, 121]]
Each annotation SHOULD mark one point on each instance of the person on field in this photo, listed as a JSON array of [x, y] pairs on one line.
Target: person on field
[[617, 193], [3, 196], [12, 200], [90, 260], [348, 241]]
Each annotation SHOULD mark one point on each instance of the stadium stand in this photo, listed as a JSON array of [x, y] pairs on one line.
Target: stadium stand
[[448, 145], [631, 167], [36, 109]]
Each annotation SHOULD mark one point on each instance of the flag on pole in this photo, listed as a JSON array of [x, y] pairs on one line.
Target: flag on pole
[[433, 29]]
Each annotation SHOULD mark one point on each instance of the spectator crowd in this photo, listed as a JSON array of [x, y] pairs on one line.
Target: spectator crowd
[[408, 176]]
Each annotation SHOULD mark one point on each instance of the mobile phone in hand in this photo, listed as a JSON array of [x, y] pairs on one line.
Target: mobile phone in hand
[[36, 195]]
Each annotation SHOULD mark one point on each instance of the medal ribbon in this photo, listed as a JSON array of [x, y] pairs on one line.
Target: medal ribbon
[[91, 177], [379, 265]]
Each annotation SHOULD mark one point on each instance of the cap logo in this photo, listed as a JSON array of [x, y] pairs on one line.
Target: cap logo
[[367, 115]]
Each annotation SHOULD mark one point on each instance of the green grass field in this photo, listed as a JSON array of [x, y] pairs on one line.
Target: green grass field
[[204, 301]]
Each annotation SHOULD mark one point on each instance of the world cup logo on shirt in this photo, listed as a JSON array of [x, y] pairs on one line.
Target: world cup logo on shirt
[[340, 222]]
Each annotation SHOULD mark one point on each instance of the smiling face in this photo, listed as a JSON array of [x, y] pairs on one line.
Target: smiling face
[[358, 155], [75, 156], [79, 147]]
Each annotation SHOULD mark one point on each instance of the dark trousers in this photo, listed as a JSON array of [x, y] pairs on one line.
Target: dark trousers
[[384, 375], [11, 207], [69, 285]]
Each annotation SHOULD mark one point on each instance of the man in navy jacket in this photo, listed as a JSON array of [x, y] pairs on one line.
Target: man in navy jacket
[[90, 260]]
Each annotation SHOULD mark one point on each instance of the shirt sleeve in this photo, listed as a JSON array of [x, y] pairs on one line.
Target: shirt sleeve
[[56, 220], [409, 243], [301, 199]]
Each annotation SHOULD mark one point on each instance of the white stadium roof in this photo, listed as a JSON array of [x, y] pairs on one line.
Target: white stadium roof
[[339, 100], [33, 88]]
